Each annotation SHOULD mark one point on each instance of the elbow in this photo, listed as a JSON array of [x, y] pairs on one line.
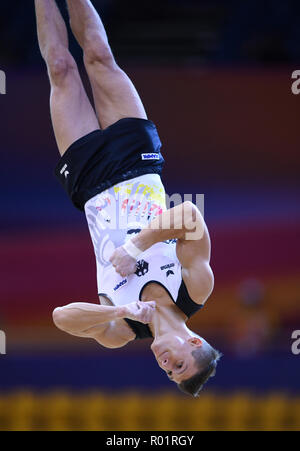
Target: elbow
[[59, 318], [194, 225], [209, 283], [203, 283]]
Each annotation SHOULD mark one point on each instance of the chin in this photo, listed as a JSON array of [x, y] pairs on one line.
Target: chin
[[155, 345], [158, 346]]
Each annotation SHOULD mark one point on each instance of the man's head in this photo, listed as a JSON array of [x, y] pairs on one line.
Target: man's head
[[188, 361]]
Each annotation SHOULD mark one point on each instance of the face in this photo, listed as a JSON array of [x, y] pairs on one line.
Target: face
[[174, 356]]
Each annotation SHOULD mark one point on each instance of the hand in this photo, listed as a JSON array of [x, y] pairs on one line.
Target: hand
[[123, 263], [140, 311]]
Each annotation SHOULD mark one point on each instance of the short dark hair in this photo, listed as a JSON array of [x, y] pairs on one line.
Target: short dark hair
[[206, 361]]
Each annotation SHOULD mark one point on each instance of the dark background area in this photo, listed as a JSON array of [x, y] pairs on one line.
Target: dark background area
[[189, 32], [215, 77]]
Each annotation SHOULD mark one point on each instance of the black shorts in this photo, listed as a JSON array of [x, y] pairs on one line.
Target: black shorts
[[103, 158]]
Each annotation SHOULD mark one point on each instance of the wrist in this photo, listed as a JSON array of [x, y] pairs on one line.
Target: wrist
[[132, 249], [121, 311]]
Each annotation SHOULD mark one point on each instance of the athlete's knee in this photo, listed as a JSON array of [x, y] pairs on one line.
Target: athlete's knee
[[60, 64], [98, 52]]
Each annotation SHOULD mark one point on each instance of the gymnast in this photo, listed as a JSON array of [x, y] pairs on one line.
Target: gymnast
[[153, 270]]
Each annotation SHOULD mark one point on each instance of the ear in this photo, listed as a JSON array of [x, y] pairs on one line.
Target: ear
[[195, 341]]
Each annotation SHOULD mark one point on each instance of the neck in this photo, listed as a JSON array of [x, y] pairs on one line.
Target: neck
[[168, 317], [167, 320]]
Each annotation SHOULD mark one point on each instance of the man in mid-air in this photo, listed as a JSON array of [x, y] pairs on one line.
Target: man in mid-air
[[153, 269]]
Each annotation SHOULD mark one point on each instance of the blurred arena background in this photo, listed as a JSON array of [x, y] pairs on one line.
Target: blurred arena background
[[215, 77]]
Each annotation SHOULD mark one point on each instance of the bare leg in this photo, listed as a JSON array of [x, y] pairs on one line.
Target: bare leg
[[114, 94], [71, 111]]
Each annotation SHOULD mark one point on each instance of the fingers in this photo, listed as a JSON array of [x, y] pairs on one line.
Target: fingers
[[141, 311], [147, 312], [117, 267], [125, 270], [121, 272], [123, 264]]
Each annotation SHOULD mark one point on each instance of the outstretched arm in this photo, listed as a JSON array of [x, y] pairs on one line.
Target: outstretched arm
[[80, 318]]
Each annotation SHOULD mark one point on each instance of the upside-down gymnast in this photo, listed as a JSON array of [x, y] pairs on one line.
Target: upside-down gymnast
[[153, 269]]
